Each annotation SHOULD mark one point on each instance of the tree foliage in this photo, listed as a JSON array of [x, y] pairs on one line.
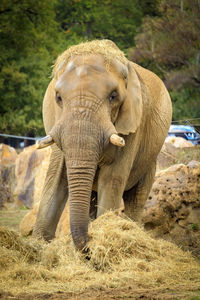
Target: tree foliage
[[95, 19], [34, 32], [170, 46], [90, 19], [28, 39]]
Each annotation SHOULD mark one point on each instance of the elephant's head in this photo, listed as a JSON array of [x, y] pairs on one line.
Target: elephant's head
[[96, 95]]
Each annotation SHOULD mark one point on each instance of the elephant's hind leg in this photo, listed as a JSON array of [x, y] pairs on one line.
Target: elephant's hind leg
[[135, 198], [93, 206], [54, 196]]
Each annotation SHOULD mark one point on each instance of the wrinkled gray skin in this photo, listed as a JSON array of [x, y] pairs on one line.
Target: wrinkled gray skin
[[81, 109]]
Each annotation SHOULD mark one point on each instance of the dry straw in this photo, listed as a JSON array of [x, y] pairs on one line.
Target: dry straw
[[105, 48], [121, 254]]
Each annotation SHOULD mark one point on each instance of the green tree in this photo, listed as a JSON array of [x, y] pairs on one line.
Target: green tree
[[170, 46], [29, 39], [34, 32], [95, 19]]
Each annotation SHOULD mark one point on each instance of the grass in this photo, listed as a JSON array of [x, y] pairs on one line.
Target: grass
[[12, 218], [185, 155]]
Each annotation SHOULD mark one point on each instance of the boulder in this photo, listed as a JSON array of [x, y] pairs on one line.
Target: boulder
[[172, 210], [178, 142], [28, 222], [172, 152], [31, 168], [63, 224], [30, 171], [8, 156]]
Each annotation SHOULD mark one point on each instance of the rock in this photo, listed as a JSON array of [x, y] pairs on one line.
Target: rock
[[30, 171], [171, 151], [166, 157], [63, 224], [178, 142], [31, 168], [40, 174], [172, 210], [5, 193], [8, 157], [28, 222]]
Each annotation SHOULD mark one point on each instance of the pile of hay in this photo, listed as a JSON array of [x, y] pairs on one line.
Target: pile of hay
[[106, 48], [121, 254]]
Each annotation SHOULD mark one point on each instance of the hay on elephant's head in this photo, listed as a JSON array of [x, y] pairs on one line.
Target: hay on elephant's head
[[105, 48], [121, 254]]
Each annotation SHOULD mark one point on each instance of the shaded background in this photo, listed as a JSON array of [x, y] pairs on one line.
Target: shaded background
[[162, 35]]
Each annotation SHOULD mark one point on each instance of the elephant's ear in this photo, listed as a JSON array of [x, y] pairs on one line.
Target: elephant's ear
[[130, 112], [49, 110]]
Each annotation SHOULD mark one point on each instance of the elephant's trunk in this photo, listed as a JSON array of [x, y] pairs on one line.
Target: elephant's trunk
[[80, 186], [82, 151]]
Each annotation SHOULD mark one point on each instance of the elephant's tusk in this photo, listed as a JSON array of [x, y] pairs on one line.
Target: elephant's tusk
[[117, 140], [44, 142]]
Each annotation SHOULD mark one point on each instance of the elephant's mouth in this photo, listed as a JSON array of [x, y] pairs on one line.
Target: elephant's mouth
[[115, 139]]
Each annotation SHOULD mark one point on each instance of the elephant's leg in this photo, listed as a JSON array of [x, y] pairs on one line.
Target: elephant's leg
[[93, 206], [110, 190], [135, 198], [54, 196]]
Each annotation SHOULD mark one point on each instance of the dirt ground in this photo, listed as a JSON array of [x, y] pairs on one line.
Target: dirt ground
[[11, 220], [109, 294]]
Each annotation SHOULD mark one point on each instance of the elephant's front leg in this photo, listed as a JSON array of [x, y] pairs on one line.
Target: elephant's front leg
[[110, 190], [54, 196], [135, 198]]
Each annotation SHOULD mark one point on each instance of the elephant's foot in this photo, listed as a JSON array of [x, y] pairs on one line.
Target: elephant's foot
[[43, 233], [80, 237], [134, 212], [122, 208]]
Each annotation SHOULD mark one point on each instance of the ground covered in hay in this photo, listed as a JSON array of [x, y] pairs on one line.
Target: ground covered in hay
[[124, 263]]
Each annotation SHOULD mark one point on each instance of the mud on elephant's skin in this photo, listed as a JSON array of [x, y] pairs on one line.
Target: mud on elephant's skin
[[108, 118]]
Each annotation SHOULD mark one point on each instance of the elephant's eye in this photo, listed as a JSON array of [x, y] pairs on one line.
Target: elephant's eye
[[58, 99], [113, 96]]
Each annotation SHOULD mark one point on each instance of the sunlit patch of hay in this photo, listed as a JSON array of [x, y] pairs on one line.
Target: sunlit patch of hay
[[10, 240], [121, 254], [105, 48], [8, 260]]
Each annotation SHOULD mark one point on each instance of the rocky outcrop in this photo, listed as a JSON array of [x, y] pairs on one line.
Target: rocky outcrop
[[8, 156], [28, 222], [30, 172], [172, 210], [171, 151], [178, 142], [63, 224]]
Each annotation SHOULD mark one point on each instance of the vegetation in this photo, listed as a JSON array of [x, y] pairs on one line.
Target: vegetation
[[27, 40], [169, 45], [161, 35]]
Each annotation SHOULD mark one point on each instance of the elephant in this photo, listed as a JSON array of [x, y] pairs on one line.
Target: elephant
[[106, 119]]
